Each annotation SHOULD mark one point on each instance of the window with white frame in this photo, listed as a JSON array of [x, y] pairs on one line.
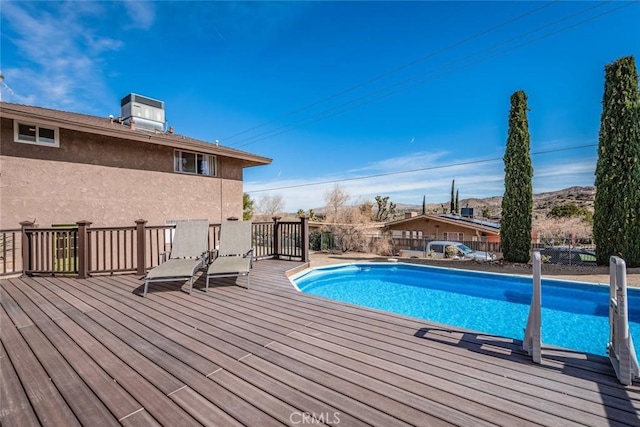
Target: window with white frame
[[31, 133], [194, 163], [452, 235]]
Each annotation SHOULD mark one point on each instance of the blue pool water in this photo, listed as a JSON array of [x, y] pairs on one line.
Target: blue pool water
[[574, 315]]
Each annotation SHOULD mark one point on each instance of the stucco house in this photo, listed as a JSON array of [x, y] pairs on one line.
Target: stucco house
[[59, 167], [443, 227]]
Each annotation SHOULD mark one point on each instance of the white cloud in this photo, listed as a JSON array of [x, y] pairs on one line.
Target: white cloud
[[581, 167], [61, 53], [142, 13], [435, 183], [555, 176], [417, 160], [559, 143], [474, 178]]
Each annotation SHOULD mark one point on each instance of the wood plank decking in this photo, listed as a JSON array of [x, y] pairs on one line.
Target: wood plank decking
[[94, 352]]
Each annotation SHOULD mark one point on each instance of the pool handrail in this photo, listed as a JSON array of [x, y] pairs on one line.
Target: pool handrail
[[532, 342], [620, 346]]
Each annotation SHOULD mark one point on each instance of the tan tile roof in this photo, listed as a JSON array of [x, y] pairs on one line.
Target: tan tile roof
[[108, 127]]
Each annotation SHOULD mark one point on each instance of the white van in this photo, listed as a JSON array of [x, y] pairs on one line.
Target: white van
[[456, 250]]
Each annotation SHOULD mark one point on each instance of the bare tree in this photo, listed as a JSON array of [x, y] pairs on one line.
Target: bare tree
[[561, 231], [336, 199], [269, 206], [349, 229], [366, 209]]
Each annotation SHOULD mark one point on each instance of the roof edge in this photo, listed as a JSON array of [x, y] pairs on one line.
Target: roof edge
[[104, 126]]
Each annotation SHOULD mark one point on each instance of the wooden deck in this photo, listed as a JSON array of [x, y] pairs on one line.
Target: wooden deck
[[94, 352]]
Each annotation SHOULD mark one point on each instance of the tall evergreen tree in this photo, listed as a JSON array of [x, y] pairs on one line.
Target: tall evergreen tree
[[424, 205], [452, 204], [517, 203], [457, 203], [247, 207], [616, 217]]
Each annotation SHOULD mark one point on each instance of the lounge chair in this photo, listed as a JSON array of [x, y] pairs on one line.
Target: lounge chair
[[189, 253], [235, 254]]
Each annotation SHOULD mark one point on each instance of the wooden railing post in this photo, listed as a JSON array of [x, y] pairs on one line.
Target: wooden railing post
[[304, 237], [26, 246], [141, 246], [83, 249], [276, 237]]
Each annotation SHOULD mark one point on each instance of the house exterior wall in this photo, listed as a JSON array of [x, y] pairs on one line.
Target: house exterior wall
[[433, 229], [108, 181]]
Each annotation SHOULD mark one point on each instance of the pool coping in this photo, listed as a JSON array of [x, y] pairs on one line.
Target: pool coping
[[303, 271]]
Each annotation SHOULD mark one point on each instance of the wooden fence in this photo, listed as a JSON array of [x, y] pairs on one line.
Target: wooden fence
[[81, 250]]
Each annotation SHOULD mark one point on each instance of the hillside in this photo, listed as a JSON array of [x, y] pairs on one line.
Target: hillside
[[546, 228], [542, 202]]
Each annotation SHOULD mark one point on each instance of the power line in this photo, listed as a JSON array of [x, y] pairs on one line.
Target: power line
[[430, 168], [397, 69], [323, 114]]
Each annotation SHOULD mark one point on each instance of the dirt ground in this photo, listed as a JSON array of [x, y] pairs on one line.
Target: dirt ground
[[592, 274]]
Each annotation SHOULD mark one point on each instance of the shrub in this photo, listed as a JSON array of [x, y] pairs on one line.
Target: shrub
[[565, 211]]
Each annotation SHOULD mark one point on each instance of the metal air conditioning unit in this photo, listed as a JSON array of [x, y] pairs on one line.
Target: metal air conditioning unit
[[466, 212], [147, 113]]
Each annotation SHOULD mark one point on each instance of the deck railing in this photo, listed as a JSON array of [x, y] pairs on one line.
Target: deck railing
[[111, 249], [50, 250], [290, 240], [81, 250], [10, 252], [158, 240]]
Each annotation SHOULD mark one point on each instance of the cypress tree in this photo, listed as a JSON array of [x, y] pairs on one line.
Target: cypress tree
[[424, 205], [247, 207], [457, 204], [452, 204], [517, 202], [616, 218]]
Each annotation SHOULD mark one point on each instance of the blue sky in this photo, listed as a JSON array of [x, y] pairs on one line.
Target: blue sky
[[338, 90]]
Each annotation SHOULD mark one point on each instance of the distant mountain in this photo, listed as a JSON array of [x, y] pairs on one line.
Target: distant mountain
[[542, 202]]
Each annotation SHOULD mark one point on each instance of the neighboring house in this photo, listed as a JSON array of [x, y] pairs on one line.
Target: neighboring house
[[444, 227], [59, 167]]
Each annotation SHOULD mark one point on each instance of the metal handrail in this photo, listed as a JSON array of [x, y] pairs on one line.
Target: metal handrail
[[532, 342], [620, 347]]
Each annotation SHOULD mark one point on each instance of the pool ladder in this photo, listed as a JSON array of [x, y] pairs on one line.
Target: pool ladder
[[620, 347], [532, 342]]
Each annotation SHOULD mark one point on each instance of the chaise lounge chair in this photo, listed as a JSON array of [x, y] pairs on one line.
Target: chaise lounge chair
[[189, 253], [235, 255]]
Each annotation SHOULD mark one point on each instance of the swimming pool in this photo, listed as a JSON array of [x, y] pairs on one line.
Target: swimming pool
[[574, 315]]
